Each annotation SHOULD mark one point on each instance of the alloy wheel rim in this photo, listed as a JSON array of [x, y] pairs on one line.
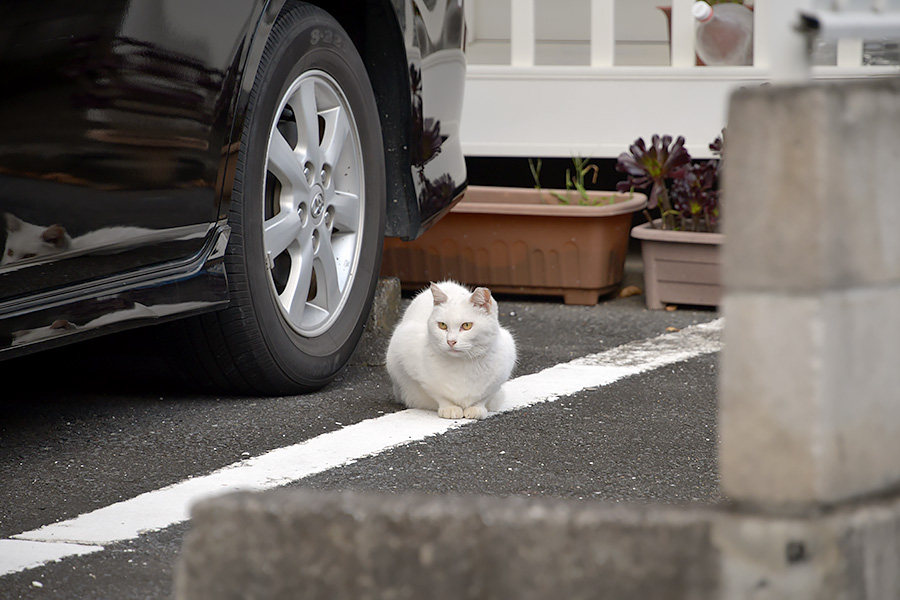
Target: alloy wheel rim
[[313, 209]]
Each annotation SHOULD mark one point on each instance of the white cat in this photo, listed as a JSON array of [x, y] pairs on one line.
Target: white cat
[[450, 354], [26, 240]]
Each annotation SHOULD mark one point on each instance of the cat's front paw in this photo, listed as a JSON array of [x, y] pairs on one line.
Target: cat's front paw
[[450, 412], [475, 412]]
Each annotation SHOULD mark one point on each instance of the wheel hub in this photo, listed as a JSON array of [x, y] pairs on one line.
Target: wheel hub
[[318, 205]]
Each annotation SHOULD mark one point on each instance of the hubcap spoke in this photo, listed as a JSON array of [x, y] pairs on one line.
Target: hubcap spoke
[[327, 263], [281, 231], [337, 128], [296, 292], [286, 165], [346, 211], [306, 107]]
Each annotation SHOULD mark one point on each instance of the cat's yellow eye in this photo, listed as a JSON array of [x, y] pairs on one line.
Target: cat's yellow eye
[[466, 326], [442, 325]]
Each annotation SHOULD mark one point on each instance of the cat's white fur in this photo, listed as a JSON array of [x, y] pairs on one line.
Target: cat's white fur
[[457, 369], [26, 240]]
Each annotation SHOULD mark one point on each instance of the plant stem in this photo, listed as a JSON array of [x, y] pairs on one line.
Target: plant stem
[[536, 175], [665, 208]]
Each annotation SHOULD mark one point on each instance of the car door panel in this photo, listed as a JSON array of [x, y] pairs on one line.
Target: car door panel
[[113, 130]]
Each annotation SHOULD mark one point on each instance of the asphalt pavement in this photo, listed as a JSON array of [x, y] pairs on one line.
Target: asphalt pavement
[[79, 437]]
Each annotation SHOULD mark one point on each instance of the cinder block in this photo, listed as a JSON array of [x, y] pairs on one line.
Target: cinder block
[[811, 186], [341, 546], [810, 396], [780, 558], [852, 552], [315, 545]]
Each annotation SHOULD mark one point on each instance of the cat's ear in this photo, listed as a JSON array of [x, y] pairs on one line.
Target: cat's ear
[[13, 223], [55, 235], [439, 296], [481, 298]]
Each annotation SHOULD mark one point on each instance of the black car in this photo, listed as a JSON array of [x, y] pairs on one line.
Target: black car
[[232, 164]]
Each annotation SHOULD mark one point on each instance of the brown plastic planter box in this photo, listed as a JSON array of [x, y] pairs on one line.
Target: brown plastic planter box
[[515, 240], [680, 267]]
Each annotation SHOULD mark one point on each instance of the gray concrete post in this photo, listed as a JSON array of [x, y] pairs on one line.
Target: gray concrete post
[[810, 388]]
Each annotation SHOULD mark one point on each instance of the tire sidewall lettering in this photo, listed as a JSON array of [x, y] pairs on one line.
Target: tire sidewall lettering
[[326, 37]]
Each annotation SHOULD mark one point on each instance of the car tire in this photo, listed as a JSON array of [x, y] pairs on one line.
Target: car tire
[[306, 215]]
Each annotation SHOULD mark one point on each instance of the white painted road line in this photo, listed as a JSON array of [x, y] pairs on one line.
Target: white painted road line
[[167, 506], [18, 555], [604, 368]]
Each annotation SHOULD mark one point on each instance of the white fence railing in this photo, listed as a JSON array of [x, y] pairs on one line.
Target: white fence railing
[[535, 89]]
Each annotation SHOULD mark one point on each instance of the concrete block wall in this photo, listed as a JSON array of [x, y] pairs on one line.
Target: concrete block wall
[[284, 545], [810, 396], [341, 546]]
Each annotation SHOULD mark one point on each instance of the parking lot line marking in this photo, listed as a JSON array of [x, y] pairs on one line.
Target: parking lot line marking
[[19, 555], [604, 368], [167, 506]]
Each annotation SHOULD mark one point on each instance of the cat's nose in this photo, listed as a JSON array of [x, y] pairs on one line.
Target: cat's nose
[[451, 342]]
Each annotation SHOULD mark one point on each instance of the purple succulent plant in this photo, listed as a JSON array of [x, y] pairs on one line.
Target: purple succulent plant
[[686, 193], [695, 198]]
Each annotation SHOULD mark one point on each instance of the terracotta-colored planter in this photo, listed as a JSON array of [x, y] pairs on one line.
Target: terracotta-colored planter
[[680, 267], [515, 240]]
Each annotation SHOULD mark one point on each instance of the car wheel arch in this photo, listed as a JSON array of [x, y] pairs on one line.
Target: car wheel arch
[[378, 37]]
